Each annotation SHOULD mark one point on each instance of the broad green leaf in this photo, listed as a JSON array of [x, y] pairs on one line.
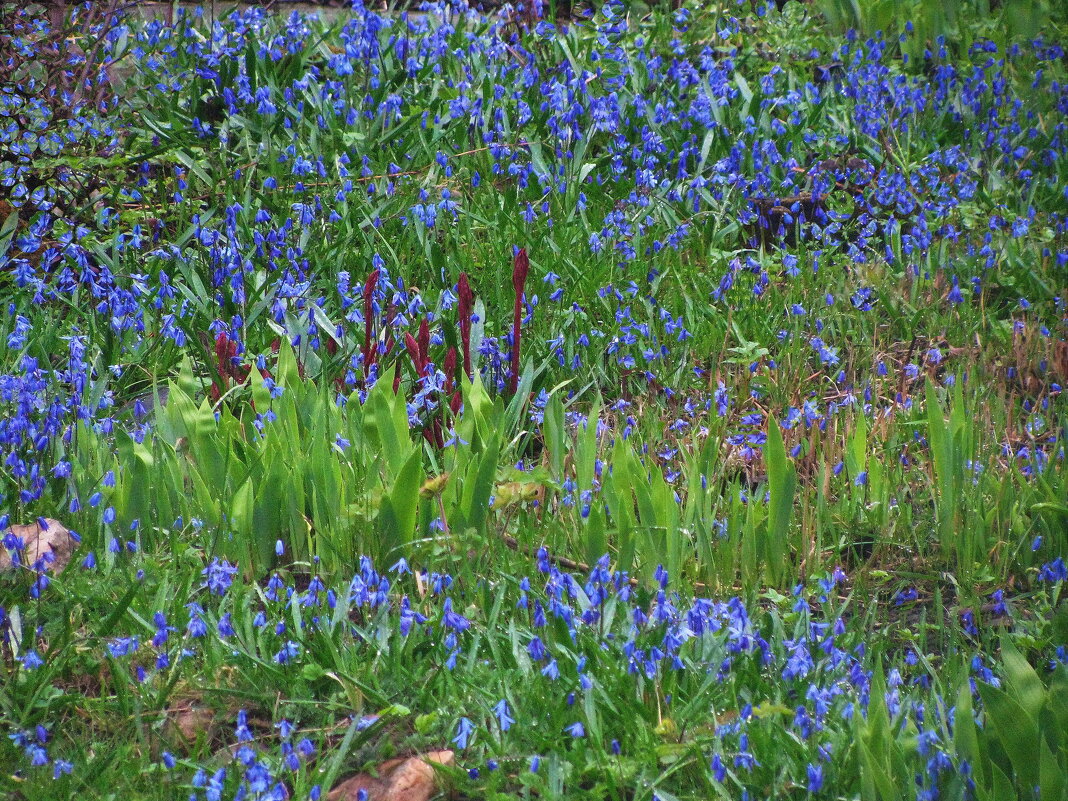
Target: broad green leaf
[[596, 544], [856, 454], [1021, 680], [781, 481], [398, 513], [1052, 783], [1002, 786], [875, 780], [1015, 729], [554, 433], [476, 495], [941, 453], [1058, 703], [965, 735]]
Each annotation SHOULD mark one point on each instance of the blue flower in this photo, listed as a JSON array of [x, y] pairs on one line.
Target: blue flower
[[288, 652], [719, 770], [196, 626], [219, 576], [123, 646], [537, 650], [1054, 571], [464, 729], [815, 778], [61, 766], [225, 626], [453, 620], [504, 716]]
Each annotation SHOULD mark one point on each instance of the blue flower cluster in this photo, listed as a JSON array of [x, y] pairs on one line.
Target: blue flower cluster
[[631, 123], [583, 637]]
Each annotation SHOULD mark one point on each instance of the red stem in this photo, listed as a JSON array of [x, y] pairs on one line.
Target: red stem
[[520, 268], [368, 292], [450, 381]]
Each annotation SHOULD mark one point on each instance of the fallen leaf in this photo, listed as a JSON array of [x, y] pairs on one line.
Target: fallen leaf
[[188, 718], [410, 779], [37, 541]]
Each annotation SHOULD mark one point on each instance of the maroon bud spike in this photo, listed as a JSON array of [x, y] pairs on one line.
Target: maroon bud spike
[[368, 293], [424, 345], [450, 370], [413, 351], [237, 371], [520, 268], [450, 380], [224, 348], [387, 326], [466, 312], [232, 369], [439, 440], [369, 287]]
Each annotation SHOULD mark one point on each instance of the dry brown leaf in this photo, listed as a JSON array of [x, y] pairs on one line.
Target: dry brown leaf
[[37, 541], [410, 779], [187, 718]]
